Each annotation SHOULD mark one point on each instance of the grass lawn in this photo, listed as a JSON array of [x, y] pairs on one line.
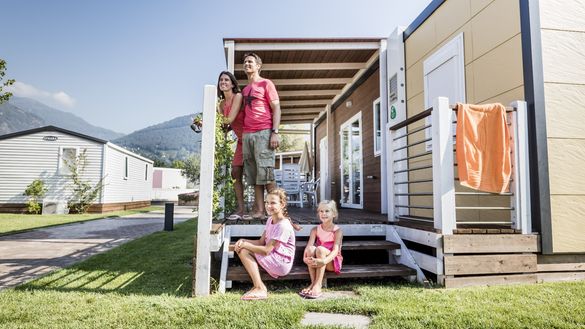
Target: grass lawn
[[146, 283], [13, 223]]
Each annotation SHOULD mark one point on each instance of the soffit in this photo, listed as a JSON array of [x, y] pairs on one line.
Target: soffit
[[309, 74]]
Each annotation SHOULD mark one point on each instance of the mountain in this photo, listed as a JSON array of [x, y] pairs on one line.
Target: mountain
[[15, 120], [167, 141]]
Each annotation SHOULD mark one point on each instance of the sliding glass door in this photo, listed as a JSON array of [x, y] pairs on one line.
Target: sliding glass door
[[351, 163]]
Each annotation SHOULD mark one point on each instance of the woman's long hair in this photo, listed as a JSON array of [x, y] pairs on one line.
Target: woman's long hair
[[235, 88]]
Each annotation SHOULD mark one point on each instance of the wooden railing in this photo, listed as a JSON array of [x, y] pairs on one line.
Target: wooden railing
[[422, 174]]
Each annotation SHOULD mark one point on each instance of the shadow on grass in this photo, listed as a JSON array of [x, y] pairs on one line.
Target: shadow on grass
[[157, 264]]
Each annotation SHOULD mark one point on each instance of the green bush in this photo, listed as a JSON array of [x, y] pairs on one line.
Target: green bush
[[35, 192]]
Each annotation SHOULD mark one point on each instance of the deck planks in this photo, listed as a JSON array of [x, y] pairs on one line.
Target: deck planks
[[299, 272]]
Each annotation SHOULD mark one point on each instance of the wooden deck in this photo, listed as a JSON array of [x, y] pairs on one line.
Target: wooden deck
[[305, 216]]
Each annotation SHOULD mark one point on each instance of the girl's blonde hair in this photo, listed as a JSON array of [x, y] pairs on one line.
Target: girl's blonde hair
[[331, 205]]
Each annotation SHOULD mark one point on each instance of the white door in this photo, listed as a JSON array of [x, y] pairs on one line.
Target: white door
[[444, 76], [351, 163], [323, 169]]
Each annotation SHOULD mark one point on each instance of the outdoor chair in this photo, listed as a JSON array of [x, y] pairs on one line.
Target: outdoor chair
[[310, 189], [291, 184], [278, 177]]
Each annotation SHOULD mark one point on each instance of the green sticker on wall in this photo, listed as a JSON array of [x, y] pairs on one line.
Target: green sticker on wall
[[392, 112]]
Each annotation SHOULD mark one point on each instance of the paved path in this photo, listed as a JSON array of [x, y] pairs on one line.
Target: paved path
[[28, 255]]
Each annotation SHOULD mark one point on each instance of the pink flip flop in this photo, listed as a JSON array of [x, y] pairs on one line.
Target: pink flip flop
[[250, 295], [311, 295]]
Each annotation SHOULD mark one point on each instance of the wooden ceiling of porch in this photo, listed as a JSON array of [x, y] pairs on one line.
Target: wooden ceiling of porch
[[309, 74]]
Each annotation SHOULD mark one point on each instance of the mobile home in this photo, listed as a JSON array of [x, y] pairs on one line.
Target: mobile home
[[41, 153], [382, 133]]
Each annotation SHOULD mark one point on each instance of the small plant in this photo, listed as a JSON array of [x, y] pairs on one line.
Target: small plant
[[35, 192], [84, 193]]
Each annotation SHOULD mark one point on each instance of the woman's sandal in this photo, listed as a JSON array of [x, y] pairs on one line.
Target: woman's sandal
[[234, 217]]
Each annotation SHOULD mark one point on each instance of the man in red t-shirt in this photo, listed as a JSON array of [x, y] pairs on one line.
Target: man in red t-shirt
[[261, 121]]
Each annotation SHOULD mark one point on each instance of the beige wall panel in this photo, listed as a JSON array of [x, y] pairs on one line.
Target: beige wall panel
[[567, 223], [415, 105], [499, 70], [562, 15], [565, 110], [451, 16], [414, 80], [469, 84], [562, 56], [420, 42], [494, 25], [566, 164], [477, 5], [506, 98]]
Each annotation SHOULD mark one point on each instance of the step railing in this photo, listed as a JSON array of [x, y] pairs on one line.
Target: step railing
[[422, 175]]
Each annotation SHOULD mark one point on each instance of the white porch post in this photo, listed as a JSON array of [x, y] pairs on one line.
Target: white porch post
[[202, 274], [521, 173], [395, 113], [230, 50], [443, 179]]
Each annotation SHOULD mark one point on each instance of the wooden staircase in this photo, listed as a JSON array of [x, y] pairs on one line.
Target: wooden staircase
[[356, 263]]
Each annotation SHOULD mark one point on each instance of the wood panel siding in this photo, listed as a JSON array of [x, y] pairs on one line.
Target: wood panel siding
[[490, 264], [491, 243], [107, 207], [320, 133], [362, 99], [563, 39], [491, 280]]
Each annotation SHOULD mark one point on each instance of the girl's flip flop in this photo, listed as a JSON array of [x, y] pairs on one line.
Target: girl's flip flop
[[254, 295]]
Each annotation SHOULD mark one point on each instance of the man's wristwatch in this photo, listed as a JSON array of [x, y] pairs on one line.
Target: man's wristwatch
[[275, 131]]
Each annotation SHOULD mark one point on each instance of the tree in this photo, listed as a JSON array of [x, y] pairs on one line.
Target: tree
[[84, 193], [192, 168], [4, 96], [178, 164]]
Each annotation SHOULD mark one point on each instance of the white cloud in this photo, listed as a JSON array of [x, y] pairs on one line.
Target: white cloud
[[59, 99]]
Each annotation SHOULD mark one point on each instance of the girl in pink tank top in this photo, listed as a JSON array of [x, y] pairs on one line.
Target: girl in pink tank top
[[323, 251]]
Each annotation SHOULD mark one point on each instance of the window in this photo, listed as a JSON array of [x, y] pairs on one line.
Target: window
[[67, 155], [146, 172], [377, 128], [126, 168]]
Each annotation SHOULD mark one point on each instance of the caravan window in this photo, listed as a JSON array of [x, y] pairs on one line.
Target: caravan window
[[67, 155]]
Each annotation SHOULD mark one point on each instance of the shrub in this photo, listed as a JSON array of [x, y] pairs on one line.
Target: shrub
[[35, 192]]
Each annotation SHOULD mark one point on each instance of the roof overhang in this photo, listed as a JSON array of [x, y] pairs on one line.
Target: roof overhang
[[309, 74]]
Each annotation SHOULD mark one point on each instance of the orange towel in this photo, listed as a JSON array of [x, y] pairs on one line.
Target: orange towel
[[483, 147]]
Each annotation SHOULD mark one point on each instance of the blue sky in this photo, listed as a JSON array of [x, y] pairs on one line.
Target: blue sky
[[126, 65]]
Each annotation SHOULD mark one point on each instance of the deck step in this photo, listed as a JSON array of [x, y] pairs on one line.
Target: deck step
[[298, 272], [355, 245]]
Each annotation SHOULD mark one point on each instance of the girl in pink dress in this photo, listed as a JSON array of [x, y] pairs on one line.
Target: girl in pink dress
[[274, 251], [323, 251]]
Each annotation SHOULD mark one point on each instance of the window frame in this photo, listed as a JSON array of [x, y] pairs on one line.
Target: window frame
[[377, 118], [126, 167], [62, 169]]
